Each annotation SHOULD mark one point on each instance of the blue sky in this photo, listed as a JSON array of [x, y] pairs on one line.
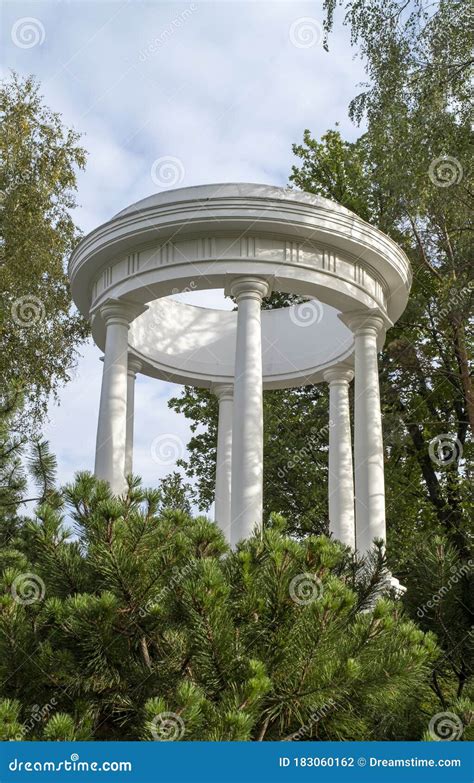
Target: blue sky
[[224, 88]]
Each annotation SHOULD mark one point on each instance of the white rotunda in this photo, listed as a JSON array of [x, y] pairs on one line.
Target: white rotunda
[[249, 240]]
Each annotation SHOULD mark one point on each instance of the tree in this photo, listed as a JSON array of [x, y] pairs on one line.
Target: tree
[[145, 625], [12, 477], [175, 494], [420, 378], [38, 328], [417, 108], [15, 451], [439, 597], [418, 153]]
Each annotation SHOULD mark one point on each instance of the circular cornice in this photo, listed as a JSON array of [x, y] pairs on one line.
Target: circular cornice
[[243, 209]]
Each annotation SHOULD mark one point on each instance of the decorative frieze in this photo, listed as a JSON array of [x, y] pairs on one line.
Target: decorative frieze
[[263, 249]]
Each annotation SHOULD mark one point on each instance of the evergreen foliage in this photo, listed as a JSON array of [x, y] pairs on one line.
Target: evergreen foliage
[[143, 625]]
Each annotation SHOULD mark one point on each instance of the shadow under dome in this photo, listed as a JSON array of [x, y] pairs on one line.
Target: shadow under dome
[[183, 343]]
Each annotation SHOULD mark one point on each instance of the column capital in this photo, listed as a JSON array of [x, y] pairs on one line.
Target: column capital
[[338, 375], [134, 365], [366, 321], [223, 391], [120, 311], [249, 288]]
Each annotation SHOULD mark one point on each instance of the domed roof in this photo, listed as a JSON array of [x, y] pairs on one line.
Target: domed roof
[[244, 190]]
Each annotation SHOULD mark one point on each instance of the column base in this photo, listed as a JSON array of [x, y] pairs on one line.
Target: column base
[[396, 586]]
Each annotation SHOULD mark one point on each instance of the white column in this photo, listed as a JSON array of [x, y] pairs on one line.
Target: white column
[[225, 395], [341, 481], [134, 366], [247, 428], [111, 430], [368, 439]]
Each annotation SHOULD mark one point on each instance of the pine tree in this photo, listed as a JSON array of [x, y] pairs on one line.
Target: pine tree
[[12, 476], [20, 457], [141, 624], [439, 596]]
